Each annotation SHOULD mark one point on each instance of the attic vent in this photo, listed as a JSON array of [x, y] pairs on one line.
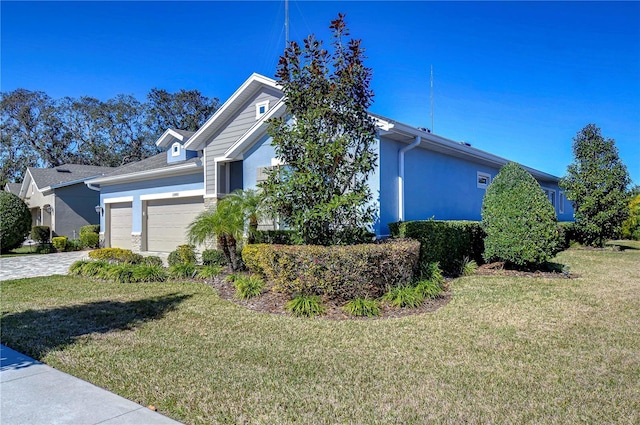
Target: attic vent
[[63, 170]]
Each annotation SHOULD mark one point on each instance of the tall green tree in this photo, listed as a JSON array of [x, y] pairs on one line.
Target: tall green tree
[[596, 182], [182, 110], [327, 141]]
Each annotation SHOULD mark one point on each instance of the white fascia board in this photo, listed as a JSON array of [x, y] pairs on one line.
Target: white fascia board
[[195, 142], [56, 186], [26, 182], [172, 195], [118, 199], [248, 138], [167, 137], [151, 174], [462, 149]]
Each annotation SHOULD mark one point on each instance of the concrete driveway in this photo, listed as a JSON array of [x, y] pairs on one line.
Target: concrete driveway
[[38, 265]]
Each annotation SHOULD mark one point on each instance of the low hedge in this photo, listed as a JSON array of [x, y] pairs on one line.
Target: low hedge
[[445, 242], [59, 243], [338, 272], [116, 255]]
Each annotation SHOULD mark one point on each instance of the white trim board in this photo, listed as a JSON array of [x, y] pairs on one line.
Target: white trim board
[[172, 195]]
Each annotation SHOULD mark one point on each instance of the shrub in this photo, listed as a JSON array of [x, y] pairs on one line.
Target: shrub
[[149, 273], [117, 255], [184, 254], [77, 267], [214, 257], [15, 221], [95, 269], [362, 307], [59, 243], [339, 272], [183, 271], [631, 226], [73, 245], [445, 242], [40, 234], [519, 220], [404, 296], [119, 273], [248, 286], [90, 228], [429, 289], [45, 248], [568, 233], [468, 267], [90, 240], [275, 237], [306, 305], [210, 271], [152, 260]]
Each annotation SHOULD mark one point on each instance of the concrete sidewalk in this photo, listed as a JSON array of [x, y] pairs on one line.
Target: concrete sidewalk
[[32, 393]]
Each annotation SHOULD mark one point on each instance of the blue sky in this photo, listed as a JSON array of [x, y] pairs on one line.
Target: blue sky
[[517, 79]]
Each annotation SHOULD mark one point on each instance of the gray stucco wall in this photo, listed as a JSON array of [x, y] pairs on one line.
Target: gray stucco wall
[[74, 208]]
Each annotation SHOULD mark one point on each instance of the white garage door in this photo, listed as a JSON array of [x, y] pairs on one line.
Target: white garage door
[[120, 227], [167, 222]]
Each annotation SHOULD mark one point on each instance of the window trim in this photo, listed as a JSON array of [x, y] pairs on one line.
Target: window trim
[[548, 192], [483, 175], [264, 104], [561, 201], [175, 149]]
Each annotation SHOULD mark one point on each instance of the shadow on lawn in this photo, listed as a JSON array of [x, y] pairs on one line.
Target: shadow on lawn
[[36, 332]]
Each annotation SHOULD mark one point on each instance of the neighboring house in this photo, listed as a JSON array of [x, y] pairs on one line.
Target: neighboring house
[[148, 205], [58, 197], [13, 188]]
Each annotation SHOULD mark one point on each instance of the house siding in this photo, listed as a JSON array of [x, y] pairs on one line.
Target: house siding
[[75, 207], [229, 134]]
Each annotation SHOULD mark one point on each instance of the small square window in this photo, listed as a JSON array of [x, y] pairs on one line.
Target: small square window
[[483, 180], [261, 108]]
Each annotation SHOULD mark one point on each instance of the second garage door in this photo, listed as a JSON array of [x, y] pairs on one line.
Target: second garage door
[[120, 225], [167, 222]]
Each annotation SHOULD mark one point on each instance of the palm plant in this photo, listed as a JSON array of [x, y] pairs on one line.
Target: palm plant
[[251, 203], [225, 223]]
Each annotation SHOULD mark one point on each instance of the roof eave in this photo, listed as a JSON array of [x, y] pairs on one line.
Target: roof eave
[[149, 174]]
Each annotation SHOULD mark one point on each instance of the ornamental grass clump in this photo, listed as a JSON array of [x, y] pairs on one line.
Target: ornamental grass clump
[[209, 271], [404, 297], [248, 286], [519, 220], [306, 306], [363, 307]]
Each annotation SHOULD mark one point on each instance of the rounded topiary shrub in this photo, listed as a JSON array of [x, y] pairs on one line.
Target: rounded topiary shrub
[[15, 221], [519, 220]]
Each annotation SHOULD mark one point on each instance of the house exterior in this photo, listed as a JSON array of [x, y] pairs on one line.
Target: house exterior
[[58, 197], [419, 175]]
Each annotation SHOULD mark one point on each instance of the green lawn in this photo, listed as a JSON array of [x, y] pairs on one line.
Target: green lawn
[[504, 350]]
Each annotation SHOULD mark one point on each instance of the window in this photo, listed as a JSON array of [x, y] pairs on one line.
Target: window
[[175, 149], [261, 108], [561, 202], [483, 180], [551, 195]]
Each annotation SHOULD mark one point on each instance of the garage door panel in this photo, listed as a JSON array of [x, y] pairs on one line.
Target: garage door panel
[[167, 222], [120, 225]]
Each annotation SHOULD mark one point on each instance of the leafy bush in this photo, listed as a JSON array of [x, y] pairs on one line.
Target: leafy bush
[[210, 271], [306, 305], [59, 243], [117, 255], [183, 270], [631, 226], [214, 257], [45, 248], [184, 254], [519, 220], [73, 245], [363, 307], [40, 234], [152, 260], [149, 273], [248, 286], [568, 233], [15, 221], [445, 242], [339, 272], [90, 240], [404, 296], [275, 237], [90, 228]]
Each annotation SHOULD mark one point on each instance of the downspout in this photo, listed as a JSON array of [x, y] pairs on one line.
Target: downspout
[[401, 153]]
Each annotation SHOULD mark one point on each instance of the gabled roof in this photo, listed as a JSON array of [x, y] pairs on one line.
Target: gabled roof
[[172, 135], [151, 167], [47, 179], [249, 88], [13, 188]]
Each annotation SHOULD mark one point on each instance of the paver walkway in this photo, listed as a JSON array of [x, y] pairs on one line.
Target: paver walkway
[[38, 265], [32, 393]]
